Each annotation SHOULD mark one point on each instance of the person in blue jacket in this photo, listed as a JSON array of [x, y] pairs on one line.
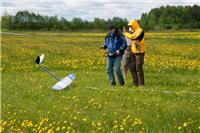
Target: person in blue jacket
[[115, 43]]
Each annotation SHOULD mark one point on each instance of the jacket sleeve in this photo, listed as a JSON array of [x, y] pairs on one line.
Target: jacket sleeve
[[124, 44], [134, 35]]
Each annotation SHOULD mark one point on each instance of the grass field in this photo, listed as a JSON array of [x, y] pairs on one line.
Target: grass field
[[28, 104]]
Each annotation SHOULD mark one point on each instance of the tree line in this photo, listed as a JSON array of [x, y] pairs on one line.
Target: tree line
[[169, 17], [172, 17], [25, 20]]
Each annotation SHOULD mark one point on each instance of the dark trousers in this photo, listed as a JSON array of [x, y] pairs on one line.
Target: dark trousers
[[137, 61]]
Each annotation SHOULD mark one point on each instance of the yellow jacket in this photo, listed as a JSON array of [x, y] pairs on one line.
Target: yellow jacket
[[137, 35]]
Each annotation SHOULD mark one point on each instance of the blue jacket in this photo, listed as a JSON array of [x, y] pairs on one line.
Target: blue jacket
[[114, 43]]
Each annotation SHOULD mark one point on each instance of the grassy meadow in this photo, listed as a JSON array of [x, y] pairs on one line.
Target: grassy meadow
[[165, 105]]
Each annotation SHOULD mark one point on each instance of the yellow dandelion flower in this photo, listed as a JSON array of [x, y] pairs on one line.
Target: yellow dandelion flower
[[4, 123], [184, 124], [99, 124], [74, 97], [58, 129], [1, 129], [115, 126], [50, 131], [93, 124], [84, 119], [121, 128], [75, 117]]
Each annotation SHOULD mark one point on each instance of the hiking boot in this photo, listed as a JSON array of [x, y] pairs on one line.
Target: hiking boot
[[112, 83], [121, 83], [135, 84]]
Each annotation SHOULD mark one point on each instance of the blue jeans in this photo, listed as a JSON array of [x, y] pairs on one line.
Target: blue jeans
[[114, 63]]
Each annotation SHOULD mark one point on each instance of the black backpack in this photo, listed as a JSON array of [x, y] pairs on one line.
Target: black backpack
[[141, 36]]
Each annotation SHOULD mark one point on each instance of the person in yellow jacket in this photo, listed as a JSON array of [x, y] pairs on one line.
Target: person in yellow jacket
[[138, 52]]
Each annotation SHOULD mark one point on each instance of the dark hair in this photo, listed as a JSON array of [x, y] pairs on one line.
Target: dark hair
[[117, 33], [110, 27]]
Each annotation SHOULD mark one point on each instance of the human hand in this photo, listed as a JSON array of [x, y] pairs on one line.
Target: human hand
[[117, 52], [101, 47]]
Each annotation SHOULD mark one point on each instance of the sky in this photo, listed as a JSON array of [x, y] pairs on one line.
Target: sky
[[89, 9]]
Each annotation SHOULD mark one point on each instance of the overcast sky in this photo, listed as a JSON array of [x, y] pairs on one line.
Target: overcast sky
[[89, 9]]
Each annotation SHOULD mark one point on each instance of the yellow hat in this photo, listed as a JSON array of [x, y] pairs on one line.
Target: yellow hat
[[134, 24]]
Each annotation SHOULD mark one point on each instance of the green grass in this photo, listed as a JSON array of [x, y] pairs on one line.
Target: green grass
[[90, 104]]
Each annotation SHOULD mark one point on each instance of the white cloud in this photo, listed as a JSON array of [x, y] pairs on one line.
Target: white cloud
[[89, 9]]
